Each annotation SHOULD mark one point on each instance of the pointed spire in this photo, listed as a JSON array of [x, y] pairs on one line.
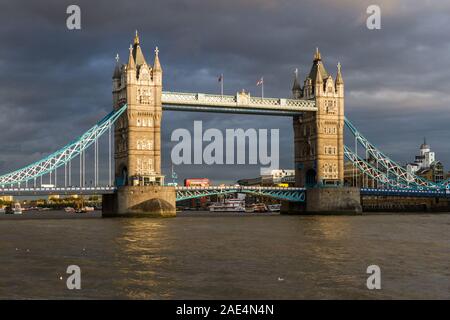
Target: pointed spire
[[136, 38], [424, 145], [317, 67], [157, 64], [296, 86], [137, 52], [339, 79], [116, 74], [319, 77], [138, 55], [317, 56], [318, 80], [131, 63]]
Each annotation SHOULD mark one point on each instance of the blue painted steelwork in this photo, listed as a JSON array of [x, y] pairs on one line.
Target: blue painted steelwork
[[406, 193], [40, 191], [399, 174], [369, 170], [445, 184], [288, 194], [392, 174], [62, 156]]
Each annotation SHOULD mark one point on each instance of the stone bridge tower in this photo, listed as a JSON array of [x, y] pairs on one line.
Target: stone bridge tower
[[137, 137], [137, 133], [319, 145], [319, 136]]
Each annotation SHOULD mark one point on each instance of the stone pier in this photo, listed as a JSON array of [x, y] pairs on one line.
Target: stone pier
[[140, 201], [341, 200]]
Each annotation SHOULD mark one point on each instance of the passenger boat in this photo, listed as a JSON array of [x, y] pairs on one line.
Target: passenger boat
[[17, 209], [274, 207], [69, 210], [2, 210], [229, 205], [256, 207], [260, 207], [250, 209], [85, 210]]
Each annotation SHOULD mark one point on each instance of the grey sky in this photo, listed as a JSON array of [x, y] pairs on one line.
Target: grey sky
[[56, 83]]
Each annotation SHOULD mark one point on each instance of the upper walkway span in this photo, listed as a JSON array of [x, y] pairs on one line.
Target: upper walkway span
[[241, 103]]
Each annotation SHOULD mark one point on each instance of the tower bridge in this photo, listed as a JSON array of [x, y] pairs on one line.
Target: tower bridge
[[135, 183]]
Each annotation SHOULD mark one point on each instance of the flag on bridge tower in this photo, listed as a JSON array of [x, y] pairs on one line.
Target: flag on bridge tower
[[261, 83], [221, 84]]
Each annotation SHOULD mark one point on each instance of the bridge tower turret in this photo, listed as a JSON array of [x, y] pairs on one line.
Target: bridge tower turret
[[319, 139]]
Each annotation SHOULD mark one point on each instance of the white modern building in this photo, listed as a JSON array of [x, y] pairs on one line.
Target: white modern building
[[276, 176], [426, 165], [271, 177], [422, 161]]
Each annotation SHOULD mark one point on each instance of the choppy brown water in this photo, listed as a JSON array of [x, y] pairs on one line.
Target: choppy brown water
[[277, 257]]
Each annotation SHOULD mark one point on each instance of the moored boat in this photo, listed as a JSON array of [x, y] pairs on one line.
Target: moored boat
[[250, 209], [229, 205], [17, 209], [260, 207], [274, 207]]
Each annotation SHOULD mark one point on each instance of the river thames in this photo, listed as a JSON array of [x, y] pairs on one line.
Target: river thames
[[227, 257]]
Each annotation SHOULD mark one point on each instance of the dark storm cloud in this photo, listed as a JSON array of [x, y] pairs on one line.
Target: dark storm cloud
[[56, 83]]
